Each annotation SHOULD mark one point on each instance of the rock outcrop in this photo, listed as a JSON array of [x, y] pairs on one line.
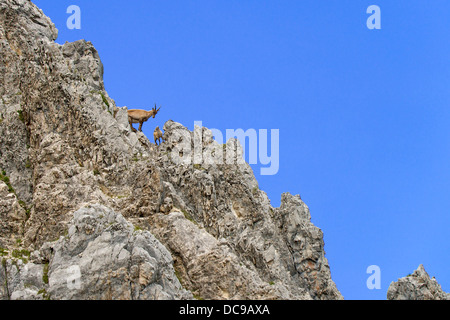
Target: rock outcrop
[[416, 286], [92, 210], [101, 257]]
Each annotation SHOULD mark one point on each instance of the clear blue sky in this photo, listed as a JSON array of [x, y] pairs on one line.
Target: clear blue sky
[[364, 115]]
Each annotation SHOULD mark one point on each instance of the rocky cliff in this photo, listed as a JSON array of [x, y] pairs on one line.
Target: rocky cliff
[[417, 286], [91, 210]]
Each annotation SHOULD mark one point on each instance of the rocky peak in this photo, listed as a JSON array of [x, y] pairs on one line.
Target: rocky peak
[[416, 286], [21, 17], [90, 209], [78, 185]]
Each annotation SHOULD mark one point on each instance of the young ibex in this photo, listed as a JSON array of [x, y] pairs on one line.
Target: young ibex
[[140, 116], [158, 135]]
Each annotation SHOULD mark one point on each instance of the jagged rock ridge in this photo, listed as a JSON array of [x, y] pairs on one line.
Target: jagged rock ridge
[[78, 184], [417, 286]]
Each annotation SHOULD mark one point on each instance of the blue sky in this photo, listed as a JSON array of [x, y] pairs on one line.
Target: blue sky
[[363, 114]]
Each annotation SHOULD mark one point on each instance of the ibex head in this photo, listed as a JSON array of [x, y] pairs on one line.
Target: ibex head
[[155, 111]]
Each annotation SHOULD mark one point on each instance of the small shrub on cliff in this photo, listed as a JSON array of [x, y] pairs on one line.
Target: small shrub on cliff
[[3, 252], [5, 179], [45, 274], [21, 117]]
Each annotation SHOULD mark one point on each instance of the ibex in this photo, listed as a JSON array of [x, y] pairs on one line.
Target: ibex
[[140, 116], [158, 135]]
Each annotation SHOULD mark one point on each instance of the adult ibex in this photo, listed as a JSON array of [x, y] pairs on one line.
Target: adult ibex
[[140, 116], [158, 135]]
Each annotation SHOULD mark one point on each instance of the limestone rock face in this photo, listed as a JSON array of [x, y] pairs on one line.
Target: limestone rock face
[[104, 257], [92, 210], [265, 252], [417, 286], [22, 281], [58, 132], [101, 257], [12, 215]]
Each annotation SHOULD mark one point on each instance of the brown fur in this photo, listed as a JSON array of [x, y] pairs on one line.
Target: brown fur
[[158, 135], [140, 116]]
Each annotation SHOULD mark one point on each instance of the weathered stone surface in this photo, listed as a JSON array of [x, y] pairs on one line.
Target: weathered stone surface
[[102, 257], [61, 145], [417, 286], [265, 252], [24, 281], [12, 216], [65, 146]]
